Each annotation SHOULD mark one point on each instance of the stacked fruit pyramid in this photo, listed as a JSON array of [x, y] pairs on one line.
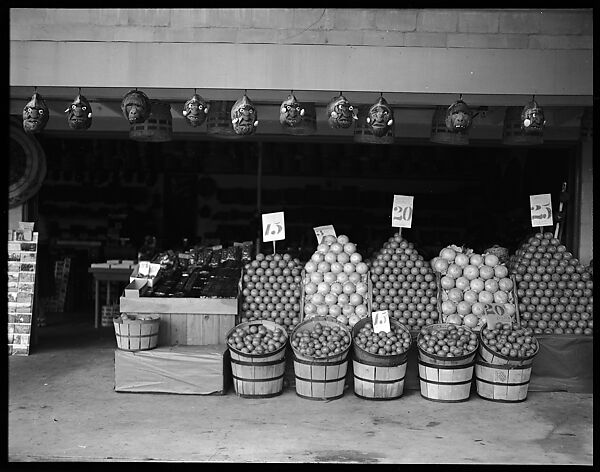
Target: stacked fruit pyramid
[[271, 290], [336, 281], [469, 281], [404, 284], [554, 290]]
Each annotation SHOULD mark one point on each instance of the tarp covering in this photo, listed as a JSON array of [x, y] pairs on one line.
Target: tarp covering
[[202, 370]]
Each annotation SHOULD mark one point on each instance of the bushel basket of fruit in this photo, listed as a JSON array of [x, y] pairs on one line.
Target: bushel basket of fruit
[[136, 332], [321, 337], [381, 349], [507, 343], [257, 338], [447, 341]]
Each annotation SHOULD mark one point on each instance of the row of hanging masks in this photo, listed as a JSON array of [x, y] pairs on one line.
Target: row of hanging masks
[[136, 108]]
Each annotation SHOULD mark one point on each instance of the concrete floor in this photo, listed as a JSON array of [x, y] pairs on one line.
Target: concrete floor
[[63, 407]]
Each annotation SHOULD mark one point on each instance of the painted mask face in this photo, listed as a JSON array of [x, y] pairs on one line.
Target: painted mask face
[[340, 113], [195, 110], [79, 113], [290, 113], [244, 116], [532, 118], [135, 106], [458, 118], [380, 117], [35, 114]]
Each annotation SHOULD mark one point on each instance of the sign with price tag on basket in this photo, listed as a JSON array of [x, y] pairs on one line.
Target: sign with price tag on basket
[[541, 210], [402, 211], [381, 321], [322, 231], [495, 313]]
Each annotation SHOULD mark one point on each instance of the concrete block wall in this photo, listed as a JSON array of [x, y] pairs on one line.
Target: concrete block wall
[[441, 28]]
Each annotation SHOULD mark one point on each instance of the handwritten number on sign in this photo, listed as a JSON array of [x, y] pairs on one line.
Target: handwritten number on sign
[[403, 213], [269, 230], [541, 216]]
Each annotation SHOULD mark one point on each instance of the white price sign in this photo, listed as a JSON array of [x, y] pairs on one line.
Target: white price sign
[[541, 209], [402, 211], [381, 321], [144, 268], [495, 313], [322, 231], [273, 226]]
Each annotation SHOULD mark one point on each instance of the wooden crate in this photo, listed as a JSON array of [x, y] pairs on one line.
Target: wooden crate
[[185, 321]]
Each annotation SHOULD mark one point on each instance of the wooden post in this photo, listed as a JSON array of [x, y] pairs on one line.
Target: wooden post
[[259, 192]]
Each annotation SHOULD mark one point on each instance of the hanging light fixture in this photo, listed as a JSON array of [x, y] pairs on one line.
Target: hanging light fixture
[[524, 126], [79, 113], [35, 114], [135, 106], [195, 110], [341, 113], [244, 116], [158, 127]]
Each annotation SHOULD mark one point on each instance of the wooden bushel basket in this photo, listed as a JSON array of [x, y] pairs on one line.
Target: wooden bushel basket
[[258, 375], [445, 379], [500, 378], [136, 335], [378, 377], [320, 378]]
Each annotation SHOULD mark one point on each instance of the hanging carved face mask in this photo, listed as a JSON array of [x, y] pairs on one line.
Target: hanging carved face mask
[[458, 117], [195, 110], [135, 106], [340, 113], [35, 114], [79, 113], [380, 117], [244, 117], [290, 113], [532, 118]]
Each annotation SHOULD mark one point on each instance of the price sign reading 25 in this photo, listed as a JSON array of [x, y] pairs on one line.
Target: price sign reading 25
[[273, 226], [402, 211]]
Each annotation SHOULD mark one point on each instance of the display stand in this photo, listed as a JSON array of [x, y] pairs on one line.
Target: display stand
[[22, 257]]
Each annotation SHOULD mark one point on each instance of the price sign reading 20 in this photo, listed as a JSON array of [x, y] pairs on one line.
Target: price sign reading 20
[[402, 211], [273, 226]]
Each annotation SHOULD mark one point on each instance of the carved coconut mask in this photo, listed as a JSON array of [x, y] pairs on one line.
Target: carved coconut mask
[[135, 106], [79, 113], [195, 110], [244, 116], [35, 114], [458, 117], [340, 113], [290, 113], [532, 118], [380, 117]]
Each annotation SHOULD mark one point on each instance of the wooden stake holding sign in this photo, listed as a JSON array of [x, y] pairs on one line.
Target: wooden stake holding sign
[[322, 231], [541, 210], [273, 227]]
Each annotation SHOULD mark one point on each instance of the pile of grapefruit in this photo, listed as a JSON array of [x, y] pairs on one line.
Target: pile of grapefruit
[[469, 281], [335, 282]]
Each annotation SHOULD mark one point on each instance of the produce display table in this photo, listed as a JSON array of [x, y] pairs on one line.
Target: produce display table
[[107, 275], [186, 321]]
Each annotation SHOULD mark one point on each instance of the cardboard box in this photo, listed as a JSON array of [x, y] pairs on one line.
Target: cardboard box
[[198, 370]]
